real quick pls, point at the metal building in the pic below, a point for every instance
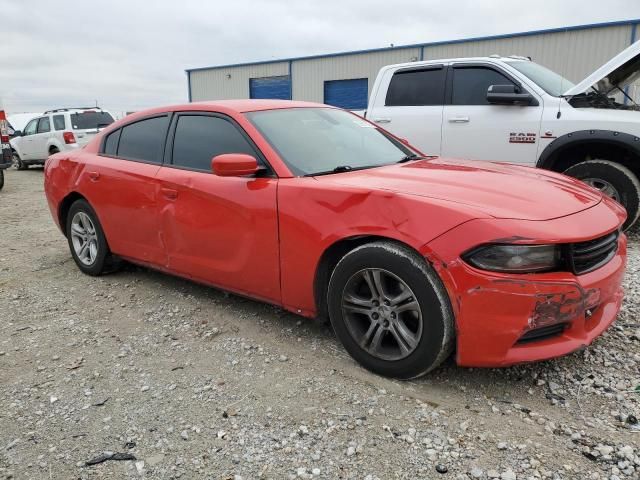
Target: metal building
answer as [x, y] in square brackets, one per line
[345, 79]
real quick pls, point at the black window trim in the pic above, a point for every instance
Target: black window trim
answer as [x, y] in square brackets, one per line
[148, 117]
[448, 96]
[418, 68]
[267, 172]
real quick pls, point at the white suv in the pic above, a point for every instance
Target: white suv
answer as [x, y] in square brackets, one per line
[510, 109]
[56, 131]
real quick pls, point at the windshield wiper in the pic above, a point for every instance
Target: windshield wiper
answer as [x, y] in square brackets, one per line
[408, 158]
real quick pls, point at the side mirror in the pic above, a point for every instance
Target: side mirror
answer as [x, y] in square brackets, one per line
[508, 95]
[16, 133]
[234, 165]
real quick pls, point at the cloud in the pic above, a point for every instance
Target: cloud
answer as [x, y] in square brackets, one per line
[132, 54]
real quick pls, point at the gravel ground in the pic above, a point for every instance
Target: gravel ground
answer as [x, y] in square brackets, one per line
[153, 376]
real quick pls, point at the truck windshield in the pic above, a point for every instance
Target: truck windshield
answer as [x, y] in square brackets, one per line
[325, 140]
[551, 82]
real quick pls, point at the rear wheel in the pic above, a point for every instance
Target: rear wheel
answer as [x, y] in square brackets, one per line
[87, 242]
[614, 180]
[1, 179]
[390, 310]
[53, 151]
[18, 164]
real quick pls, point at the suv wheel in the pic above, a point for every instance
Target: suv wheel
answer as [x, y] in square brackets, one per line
[390, 310]
[53, 151]
[18, 164]
[1, 179]
[614, 180]
[87, 242]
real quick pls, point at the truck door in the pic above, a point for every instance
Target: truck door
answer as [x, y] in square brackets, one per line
[408, 102]
[474, 129]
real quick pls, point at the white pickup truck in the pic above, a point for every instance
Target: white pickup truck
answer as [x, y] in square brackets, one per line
[510, 109]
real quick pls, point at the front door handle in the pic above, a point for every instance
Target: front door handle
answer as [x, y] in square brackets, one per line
[459, 120]
[94, 176]
[169, 193]
[382, 120]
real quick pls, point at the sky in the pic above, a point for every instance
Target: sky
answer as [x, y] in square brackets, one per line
[132, 54]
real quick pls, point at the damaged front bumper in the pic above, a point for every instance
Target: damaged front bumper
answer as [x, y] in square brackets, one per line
[506, 319]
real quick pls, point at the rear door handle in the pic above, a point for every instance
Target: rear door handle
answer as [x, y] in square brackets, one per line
[459, 120]
[169, 193]
[382, 120]
[94, 176]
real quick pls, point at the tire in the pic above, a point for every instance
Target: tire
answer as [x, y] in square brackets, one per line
[53, 151]
[423, 310]
[1, 179]
[611, 175]
[18, 164]
[82, 223]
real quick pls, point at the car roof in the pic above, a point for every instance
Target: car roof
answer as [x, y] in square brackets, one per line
[249, 105]
[489, 58]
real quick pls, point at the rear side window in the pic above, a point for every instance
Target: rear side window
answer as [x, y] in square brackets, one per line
[58, 122]
[416, 87]
[90, 120]
[44, 125]
[470, 85]
[199, 138]
[111, 143]
[144, 140]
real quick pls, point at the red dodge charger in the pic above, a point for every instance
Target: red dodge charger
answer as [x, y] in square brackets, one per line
[315, 209]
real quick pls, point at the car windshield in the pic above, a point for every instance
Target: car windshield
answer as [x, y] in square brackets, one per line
[90, 120]
[320, 140]
[551, 82]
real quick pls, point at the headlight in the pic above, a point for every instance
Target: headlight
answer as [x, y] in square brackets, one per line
[515, 258]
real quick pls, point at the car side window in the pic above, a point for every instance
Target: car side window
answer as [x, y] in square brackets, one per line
[416, 87]
[58, 122]
[44, 125]
[111, 143]
[30, 129]
[470, 84]
[144, 140]
[199, 138]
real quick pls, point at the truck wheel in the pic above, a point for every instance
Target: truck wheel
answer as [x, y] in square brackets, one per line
[614, 180]
[390, 310]
[17, 163]
[1, 179]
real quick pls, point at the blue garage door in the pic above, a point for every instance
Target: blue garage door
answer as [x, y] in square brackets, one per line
[350, 94]
[270, 87]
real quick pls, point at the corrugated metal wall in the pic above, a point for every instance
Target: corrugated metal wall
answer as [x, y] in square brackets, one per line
[215, 84]
[572, 53]
[309, 75]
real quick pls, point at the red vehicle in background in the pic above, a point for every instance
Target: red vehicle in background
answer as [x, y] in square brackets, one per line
[5, 147]
[321, 212]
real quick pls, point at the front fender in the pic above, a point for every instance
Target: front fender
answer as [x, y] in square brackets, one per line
[585, 137]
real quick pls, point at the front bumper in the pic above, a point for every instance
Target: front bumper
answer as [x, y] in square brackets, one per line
[504, 319]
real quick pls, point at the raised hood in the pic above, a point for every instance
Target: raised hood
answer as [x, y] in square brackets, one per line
[620, 71]
[498, 190]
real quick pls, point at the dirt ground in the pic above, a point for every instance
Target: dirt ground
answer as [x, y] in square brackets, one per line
[190, 382]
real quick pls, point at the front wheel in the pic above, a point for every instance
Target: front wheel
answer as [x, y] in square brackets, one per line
[390, 310]
[18, 164]
[613, 180]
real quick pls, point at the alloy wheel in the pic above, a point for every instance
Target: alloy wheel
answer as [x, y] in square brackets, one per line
[382, 314]
[605, 187]
[84, 238]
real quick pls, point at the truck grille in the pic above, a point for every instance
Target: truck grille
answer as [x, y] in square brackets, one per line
[587, 256]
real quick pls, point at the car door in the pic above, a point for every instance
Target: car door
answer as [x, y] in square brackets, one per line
[412, 106]
[39, 140]
[474, 129]
[220, 230]
[25, 142]
[120, 183]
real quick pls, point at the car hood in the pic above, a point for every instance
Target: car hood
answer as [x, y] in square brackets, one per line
[621, 70]
[498, 190]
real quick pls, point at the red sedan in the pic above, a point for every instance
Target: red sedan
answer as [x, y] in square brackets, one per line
[323, 213]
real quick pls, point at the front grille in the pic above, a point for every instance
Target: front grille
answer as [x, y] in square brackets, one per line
[542, 333]
[587, 256]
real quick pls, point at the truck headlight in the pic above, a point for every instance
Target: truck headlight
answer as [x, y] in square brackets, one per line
[515, 258]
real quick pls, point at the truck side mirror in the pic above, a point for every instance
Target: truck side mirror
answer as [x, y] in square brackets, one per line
[509, 95]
